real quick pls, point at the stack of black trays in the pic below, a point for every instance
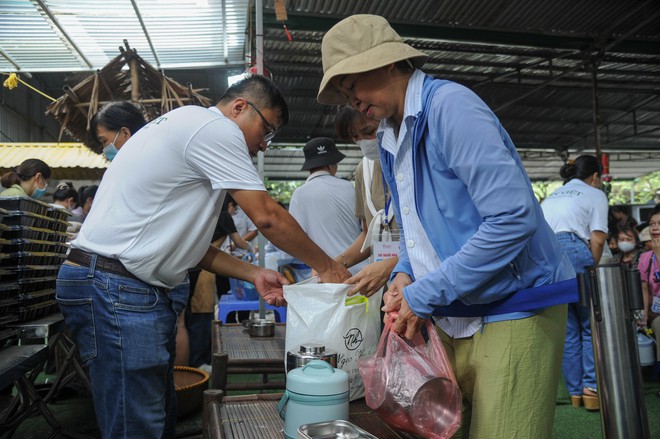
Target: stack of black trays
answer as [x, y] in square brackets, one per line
[32, 248]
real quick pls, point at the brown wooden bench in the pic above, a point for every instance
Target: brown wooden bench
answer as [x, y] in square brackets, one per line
[256, 417]
[235, 352]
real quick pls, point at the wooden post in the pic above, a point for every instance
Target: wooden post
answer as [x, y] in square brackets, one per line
[219, 371]
[135, 79]
[211, 398]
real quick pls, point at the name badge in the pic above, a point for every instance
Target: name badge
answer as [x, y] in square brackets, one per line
[655, 306]
[384, 250]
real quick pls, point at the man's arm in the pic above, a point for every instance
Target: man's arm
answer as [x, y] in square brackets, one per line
[285, 233]
[249, 236]
[268, 282]
[241, 243]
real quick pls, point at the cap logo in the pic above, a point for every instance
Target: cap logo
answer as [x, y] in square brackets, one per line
[321, 149]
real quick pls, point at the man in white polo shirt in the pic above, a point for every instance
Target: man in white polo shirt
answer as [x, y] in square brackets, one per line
[325, 205]
[152, 220]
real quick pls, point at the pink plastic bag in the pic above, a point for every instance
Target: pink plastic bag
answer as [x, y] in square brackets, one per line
[411, 386]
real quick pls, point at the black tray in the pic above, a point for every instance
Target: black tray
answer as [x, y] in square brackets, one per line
[31, 312]
[36, 284]
[58, 214]
[9, 290]
[31, 258]
[30, 245]
[26, 232]
[3, 212]
[10, 307]
[8, 336]
[8, 318]
[37, 297]
[31, 219]
[19, 272]
[24, 203]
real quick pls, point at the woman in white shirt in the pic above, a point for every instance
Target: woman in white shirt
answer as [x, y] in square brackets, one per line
[577, 213]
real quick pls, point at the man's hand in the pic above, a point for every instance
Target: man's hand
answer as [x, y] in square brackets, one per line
[371, 278]
[269, 285]
[336, 274]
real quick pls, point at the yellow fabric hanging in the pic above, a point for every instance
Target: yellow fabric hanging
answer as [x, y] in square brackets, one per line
[12, 82]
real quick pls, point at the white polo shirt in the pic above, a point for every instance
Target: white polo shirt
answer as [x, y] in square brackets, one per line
[578, 208]
[160, 199]
[325, 209]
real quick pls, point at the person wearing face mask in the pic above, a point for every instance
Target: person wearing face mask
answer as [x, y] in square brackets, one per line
[372, 205]
[65, 197]
[29, 179]
[631, 248]
[113, 125]
[577, 213]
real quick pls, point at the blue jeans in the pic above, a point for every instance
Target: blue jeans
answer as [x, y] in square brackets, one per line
[578, 363]
[125, 331]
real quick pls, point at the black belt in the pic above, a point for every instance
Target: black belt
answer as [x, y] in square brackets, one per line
[110, 265]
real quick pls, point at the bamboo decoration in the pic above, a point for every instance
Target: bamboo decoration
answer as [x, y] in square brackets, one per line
[142, 84]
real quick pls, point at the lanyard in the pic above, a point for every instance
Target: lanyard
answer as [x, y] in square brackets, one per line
[388, 200]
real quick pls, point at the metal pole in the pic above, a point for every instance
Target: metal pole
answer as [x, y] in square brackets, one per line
[596, 118]
[261, 241]
[620, 389]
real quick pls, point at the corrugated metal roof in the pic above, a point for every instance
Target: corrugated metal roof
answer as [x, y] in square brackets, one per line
[67, 161]
[56, 155]
[529, 60]
[75, 35]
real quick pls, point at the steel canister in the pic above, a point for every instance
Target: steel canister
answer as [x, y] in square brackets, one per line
[309, 352]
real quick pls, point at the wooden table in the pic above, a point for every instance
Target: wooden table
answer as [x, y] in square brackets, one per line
[235, 352]
[255, 416]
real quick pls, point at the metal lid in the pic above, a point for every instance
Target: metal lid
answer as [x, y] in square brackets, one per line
[312, 349]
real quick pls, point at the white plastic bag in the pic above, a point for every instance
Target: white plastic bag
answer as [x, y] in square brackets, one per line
[320, 313]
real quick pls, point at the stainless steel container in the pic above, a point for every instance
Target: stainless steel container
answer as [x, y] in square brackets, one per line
[332, 430]
[309, 352]
[260, 327]
[613, 292]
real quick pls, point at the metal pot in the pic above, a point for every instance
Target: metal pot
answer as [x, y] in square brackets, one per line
[260, 327]
[309, 352]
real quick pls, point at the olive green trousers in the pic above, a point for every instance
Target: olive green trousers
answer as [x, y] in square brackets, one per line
[508, 373]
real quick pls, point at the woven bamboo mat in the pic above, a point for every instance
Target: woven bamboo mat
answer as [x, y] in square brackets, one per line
[238, 344]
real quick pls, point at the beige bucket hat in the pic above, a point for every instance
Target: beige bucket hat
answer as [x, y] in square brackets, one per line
[357, 44]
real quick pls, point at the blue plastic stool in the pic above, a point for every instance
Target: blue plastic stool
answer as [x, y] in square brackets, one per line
[228, 304]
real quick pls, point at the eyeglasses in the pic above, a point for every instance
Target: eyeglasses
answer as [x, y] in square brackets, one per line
[271, 130]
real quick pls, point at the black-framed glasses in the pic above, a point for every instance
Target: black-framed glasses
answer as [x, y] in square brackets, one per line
[271, 130]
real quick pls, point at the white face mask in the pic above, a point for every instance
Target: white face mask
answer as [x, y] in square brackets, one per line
[626, 246]
[369, 148]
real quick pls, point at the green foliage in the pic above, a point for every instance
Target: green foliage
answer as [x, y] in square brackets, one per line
[642, 189]
[544, 188]
[281, 190]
